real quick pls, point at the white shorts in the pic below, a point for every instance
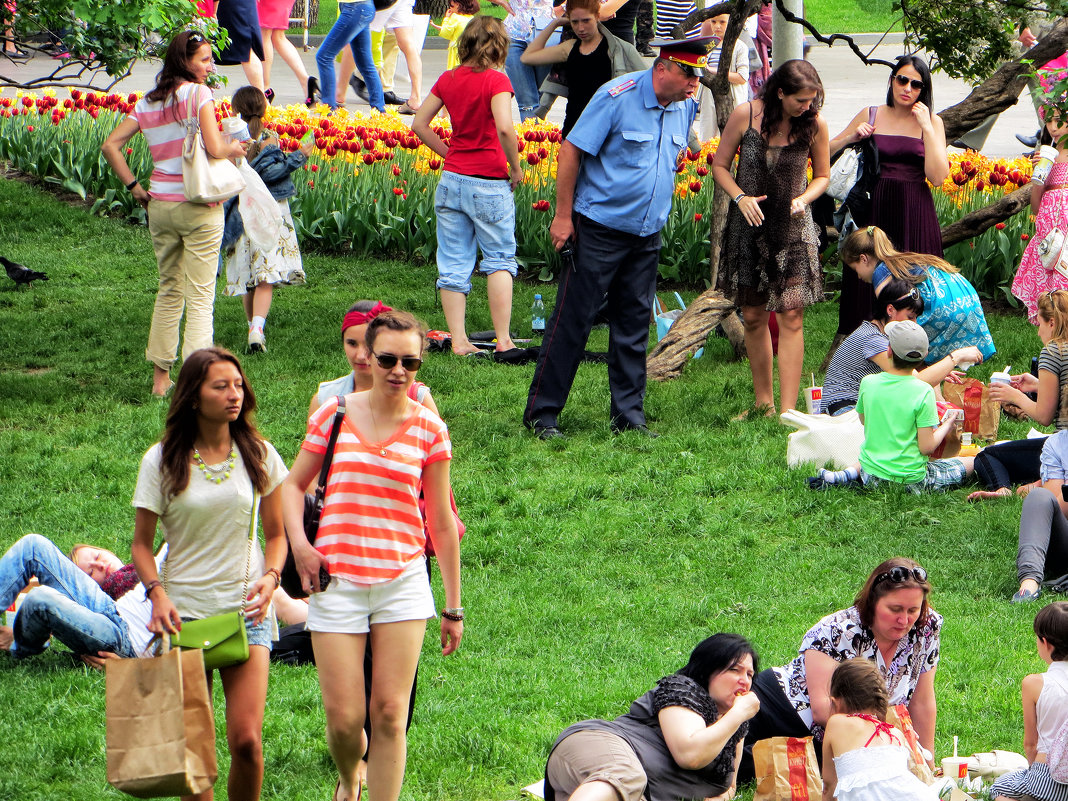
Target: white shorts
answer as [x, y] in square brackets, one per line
[398, 15]
[350, 608]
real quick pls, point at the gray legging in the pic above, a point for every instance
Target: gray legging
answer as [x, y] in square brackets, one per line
[1043, 549]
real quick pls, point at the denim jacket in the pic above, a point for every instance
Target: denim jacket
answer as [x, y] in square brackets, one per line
[275, 168]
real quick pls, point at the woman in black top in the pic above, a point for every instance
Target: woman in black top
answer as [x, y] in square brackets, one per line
[587, 66]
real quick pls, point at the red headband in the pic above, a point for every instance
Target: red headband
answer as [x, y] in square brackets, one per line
[361, 318]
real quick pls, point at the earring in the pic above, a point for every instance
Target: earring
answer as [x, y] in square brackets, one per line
[196, 406]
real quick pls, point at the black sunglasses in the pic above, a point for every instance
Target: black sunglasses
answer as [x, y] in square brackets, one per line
[900, 574]
[387, 361]
[904, 80]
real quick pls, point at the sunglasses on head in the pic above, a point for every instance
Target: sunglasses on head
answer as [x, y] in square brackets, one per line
[896, 575]
[387, 361]
[904, 80]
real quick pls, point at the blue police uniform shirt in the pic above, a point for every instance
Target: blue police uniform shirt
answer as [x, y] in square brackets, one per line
[632, 144]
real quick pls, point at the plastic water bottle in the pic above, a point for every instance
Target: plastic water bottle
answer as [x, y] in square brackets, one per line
[537, 316]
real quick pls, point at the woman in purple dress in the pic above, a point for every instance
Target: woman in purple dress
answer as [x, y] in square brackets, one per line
[912, 150]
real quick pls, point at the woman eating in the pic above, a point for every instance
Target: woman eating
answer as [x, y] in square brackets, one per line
[682, 739]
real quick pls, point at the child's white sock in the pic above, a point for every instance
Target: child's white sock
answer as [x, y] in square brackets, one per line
[258, 322]
[839, 476]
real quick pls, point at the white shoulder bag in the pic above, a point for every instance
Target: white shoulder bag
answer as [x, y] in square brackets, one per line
[205, 179]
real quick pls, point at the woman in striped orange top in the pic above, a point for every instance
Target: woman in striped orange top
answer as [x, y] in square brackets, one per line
[371, 541]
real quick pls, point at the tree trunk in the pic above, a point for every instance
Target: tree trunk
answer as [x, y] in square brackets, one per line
[435, 8]
[688, 334]
[298, 11]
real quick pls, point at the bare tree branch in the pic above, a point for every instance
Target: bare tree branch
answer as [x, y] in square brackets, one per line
[974, 223]
[789, 16]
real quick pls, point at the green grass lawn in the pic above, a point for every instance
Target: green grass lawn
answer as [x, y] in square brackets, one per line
[591, 565]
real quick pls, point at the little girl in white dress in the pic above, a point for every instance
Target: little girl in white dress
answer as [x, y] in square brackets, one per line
[864, 757]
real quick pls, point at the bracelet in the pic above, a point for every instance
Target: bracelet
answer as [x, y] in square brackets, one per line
[455, 614]
[132, 184]
[151, 586]
[277, 577]
[739, 197]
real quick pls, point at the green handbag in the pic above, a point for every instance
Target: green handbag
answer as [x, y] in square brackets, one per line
[223, 638]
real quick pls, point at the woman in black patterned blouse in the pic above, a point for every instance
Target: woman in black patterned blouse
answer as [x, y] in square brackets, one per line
[682, 739]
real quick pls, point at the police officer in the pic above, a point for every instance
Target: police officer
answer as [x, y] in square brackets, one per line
[615, 180]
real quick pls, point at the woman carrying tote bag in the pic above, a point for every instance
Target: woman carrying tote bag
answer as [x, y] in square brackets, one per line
[185, 236]
[199, 485]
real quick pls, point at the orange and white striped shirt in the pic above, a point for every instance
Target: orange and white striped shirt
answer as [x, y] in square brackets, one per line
[371, 527]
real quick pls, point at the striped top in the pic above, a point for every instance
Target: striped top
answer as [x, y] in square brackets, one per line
[852, 362]
[371, 527]
[670, 13]
[164, 129]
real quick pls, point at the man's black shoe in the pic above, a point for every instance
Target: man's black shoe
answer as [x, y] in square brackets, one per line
[391, 99]
[359, 87]
[1029, 141]
[547, 432]
[647, 51]
[642, 429]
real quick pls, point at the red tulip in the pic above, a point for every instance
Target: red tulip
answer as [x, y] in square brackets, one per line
[697, 217]
[695, 186]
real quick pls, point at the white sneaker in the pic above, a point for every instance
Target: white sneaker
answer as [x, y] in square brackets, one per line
[257, 343]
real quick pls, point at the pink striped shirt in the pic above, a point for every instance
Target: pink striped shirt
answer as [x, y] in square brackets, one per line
[371, 526]
[164, 129]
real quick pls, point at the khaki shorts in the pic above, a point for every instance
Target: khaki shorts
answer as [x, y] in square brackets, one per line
[596, 756]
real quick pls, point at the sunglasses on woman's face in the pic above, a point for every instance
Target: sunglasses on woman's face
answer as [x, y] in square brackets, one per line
[904, 80]
[387, 361]
[899, 574]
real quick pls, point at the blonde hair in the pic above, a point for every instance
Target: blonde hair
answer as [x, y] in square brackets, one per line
[873, 241]
[1053, 307]
[485, 42]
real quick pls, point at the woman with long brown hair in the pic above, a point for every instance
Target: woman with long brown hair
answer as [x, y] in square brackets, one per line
[770, 258]
[201, 484]
[186, 236]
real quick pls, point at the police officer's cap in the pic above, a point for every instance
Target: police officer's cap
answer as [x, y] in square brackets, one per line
[690, 54]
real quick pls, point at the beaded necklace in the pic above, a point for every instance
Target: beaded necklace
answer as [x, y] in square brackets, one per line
[211, 472]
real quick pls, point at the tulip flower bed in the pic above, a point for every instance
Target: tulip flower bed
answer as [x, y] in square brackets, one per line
[369, 184]
[990, 260]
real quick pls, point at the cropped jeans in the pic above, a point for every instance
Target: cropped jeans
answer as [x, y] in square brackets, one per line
[68, 605]
[353, 28]
[1043, 548]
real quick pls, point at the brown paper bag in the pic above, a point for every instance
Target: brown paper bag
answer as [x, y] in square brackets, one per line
[786, 770]
[982, 415]
[899, 717]
[160, 726]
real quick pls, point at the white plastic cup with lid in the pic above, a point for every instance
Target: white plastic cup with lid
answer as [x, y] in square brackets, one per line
[235, 129]
[1046, 155]
[955, 768]
[1001, 377]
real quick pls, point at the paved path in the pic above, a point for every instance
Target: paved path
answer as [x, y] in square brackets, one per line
[849, 86]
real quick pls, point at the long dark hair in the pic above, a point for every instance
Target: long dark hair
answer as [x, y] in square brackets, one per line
[858, 686]
[251, 104]
[792, 77]
[1051, 623]
[718, 653]
[175, 72]
[180, 431]
[926, 94]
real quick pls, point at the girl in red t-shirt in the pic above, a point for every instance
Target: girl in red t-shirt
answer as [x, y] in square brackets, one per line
[473, 203]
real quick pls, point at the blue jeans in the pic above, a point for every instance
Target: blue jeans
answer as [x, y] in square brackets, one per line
[473, 213]
[352, 28]
[68, 605]
[526, 80]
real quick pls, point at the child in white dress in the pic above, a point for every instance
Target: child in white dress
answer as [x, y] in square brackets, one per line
[1045, 709]
[864, 757]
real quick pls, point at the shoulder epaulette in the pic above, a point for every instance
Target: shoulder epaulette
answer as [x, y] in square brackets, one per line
[619, 89]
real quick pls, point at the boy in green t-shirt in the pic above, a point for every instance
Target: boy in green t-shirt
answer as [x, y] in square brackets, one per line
[901, 425]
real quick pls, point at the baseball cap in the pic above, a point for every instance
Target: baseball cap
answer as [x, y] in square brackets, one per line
[908, 340]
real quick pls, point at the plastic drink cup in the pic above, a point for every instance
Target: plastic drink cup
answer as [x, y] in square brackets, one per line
[1046, 155]
[236, 129]
[955, 767]
[813, 397]
[1000, 378]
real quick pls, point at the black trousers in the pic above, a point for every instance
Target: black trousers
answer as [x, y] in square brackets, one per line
[1008, 463]
[619, 268]
[776, 718]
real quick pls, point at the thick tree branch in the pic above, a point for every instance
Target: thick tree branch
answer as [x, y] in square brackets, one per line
[687, 335]
[974, 223]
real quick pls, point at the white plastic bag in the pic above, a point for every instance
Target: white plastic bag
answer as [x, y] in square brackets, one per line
[259, 211]
[821, 438]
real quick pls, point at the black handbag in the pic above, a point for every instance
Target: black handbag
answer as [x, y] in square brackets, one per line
[313, 508]
[855, 211]
[382, 5]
